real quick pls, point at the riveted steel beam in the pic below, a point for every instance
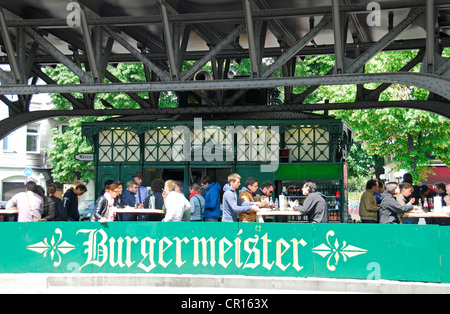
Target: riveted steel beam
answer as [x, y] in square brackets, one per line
[212, 53]
[76, 103]
[443, 67]
[58, 55]
[11, 124]
[338, 41]
[431, 35]
[6, 78]
[288, 55]
[254, 62]
[160, 72]
[433, 83]
[226, 16]
[168, 39]
[299, 45]
[9, 48]
[89, 45]
[385, 41]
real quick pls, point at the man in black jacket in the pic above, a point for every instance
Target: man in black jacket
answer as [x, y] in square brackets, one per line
[315, 205]
[70, 203]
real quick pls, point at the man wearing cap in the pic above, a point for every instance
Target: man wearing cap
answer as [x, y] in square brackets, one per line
[142, 192]
[427, 192]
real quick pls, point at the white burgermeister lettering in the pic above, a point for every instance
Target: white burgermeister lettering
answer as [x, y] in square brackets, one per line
[237, 250]
[99, 248]
[266, 242]
[178, 241]
[295, 244]
[112, 254]
[147, 254]
[128, 261]
[222, 252]
[97, 251]
[254, 251]
[212, 251]
[280, 254]
[162, 250]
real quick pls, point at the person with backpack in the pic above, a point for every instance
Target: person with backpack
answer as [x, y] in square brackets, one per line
[197, 202]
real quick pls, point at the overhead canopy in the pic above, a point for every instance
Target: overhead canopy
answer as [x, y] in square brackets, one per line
[88, 36]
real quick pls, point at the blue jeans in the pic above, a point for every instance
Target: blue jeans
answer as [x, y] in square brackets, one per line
[411, 221]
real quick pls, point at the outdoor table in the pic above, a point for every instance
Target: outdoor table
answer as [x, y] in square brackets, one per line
[139, 211]
[421, 214]
[9, 213]
[276, 213]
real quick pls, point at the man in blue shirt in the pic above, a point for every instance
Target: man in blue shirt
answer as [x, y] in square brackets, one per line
[232, 204]
[129, 199]
[142, 192]
[212, 199]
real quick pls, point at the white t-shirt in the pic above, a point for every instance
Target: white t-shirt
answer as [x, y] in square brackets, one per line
[176, 204]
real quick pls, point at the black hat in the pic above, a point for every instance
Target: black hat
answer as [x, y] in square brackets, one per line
[424, 188]
[138, 174]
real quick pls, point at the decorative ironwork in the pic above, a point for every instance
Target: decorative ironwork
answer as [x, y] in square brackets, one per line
[158, 145]
[308, 144]
[119, 146]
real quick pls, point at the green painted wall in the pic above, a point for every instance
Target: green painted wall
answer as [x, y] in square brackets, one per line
[353, 251]
[314, 171]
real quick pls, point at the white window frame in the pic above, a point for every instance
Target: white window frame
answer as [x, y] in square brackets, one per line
[35, 135]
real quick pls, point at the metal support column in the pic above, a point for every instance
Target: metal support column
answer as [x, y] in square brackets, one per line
[9, 48]
[168, 39]
[338, 43]
[431, 30]
[251, 39]
[89, 45]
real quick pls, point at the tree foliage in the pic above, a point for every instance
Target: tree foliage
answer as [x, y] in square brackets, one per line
[409, 136]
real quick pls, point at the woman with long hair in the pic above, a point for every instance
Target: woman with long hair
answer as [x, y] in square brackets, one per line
[103, 211]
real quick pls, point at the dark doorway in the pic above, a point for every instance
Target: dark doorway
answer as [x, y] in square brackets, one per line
[219, 175]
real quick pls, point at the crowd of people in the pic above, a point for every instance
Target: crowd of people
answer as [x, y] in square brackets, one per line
[33, 205]
[204, 203]
[386, 204]
[209, 202]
